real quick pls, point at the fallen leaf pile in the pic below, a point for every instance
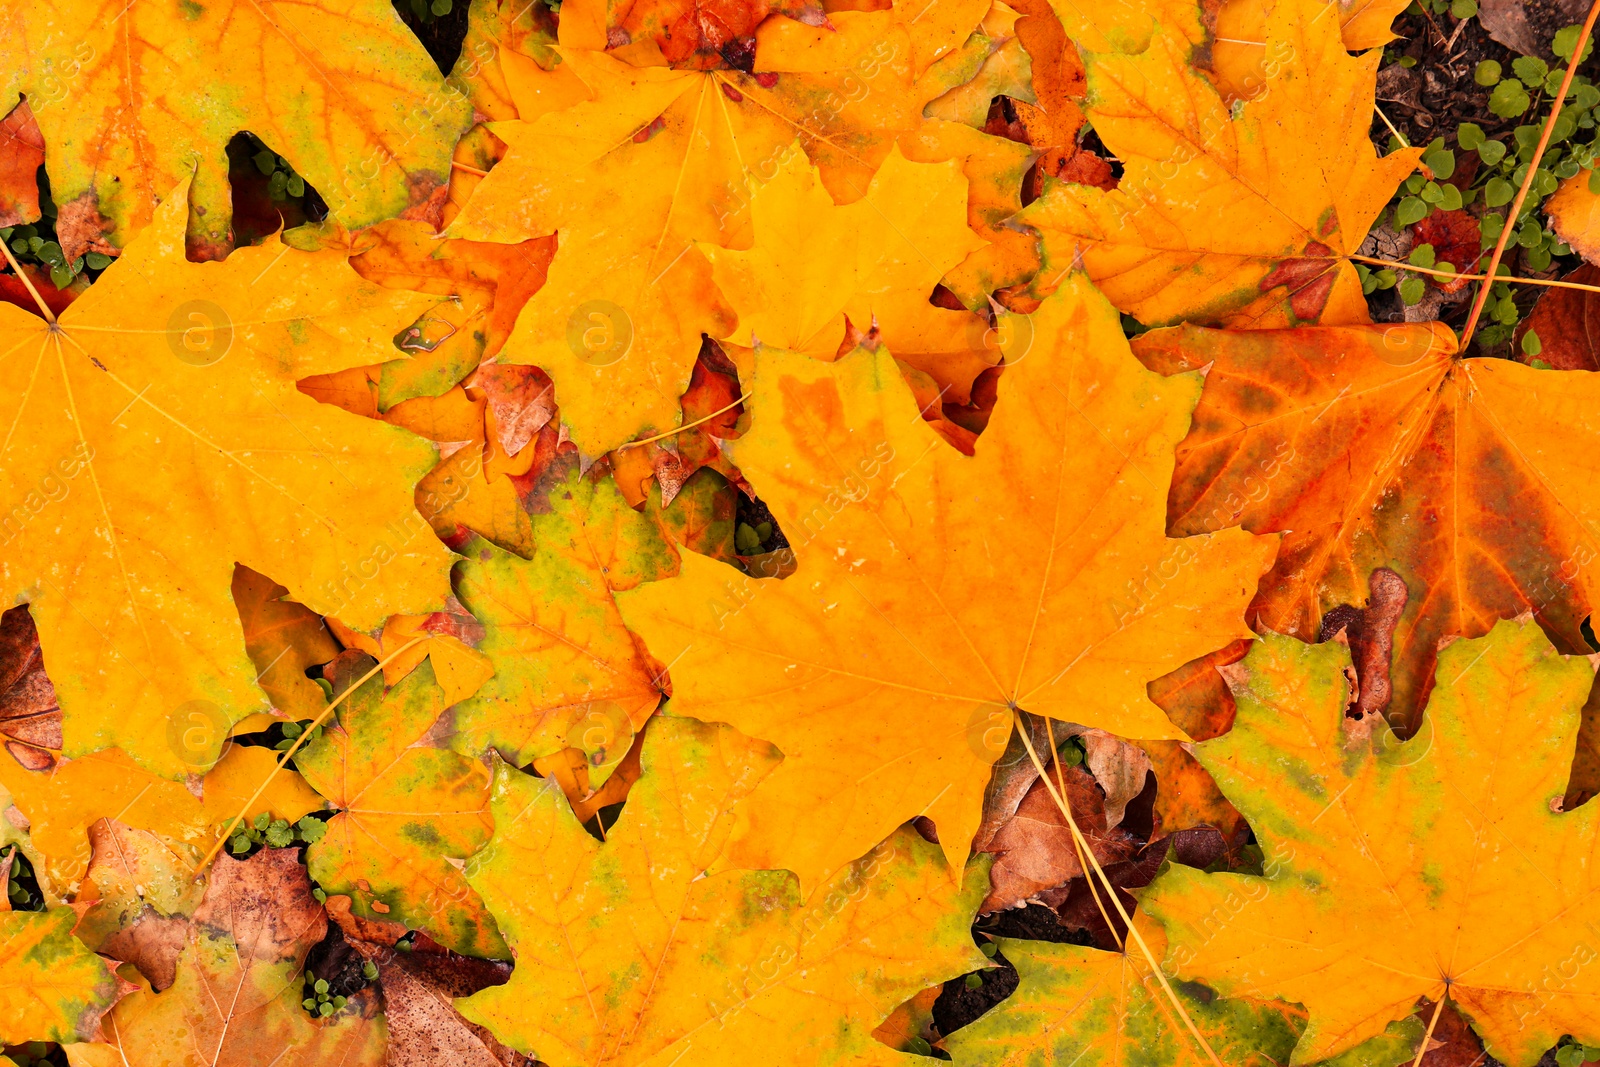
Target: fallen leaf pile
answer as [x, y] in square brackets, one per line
[806, 533]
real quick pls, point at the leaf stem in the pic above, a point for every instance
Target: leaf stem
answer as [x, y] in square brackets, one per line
[1422, 1049]
[680, 429]
[1398, 136]
[1551, 282]
[1083, 863]
[1133, 931]
[44, 308]
[1533, 170]
[305, 735]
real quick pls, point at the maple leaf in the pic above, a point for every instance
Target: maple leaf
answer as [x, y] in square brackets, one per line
[1105, 1009]
[653, 161]
[929, 632]
[1564, 320]
[1380, 447]
[875, 261]
[1222, 217]
[1242, 58]
[30, 716]
[1574, 213]
[405, 809]
[54, 989]
[158, 418]
[568, 674]
[21, 155]
[63, 803]
[282, 639]
[344, 92]
[1433, 867]
[236, 996]
[629, 952]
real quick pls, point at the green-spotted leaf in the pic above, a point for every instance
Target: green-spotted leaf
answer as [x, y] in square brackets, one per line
[567, 674]
[52, 988]
[1091, 1008]
[1437, 867]
[133, 98]
[406, 809]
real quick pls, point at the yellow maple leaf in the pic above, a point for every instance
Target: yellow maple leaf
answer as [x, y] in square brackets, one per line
[936, 592]
[628, 952]
[158, 419]
[1437, 867]
[655, 161]
[1242, 59]
[875, 261]
[343, 91]
[1240, 219]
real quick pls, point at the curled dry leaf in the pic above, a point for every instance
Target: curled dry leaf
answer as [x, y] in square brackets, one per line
[419, 986]
[30, 717]
[1034, 849]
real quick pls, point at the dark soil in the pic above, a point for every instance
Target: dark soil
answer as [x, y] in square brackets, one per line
[1438, 94]
[441, 35]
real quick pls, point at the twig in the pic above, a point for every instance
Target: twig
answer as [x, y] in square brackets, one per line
[1551, 282]
[1422, 1050]
[1083, 862]
[37, 299]
[680, 429]
[1404, 143]
[1533, 170]
[304, 736]
[1133, 931]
